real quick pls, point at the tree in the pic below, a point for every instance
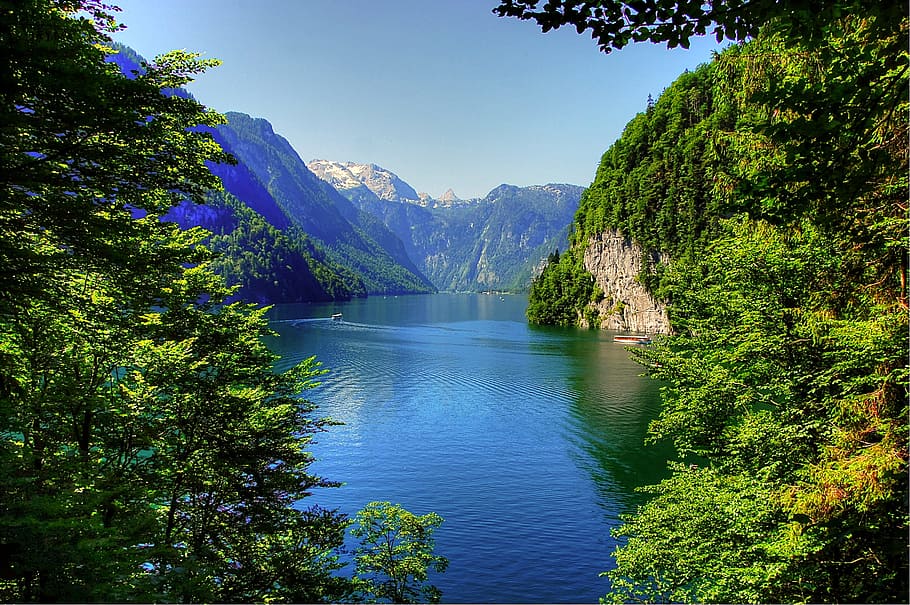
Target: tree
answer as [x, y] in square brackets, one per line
[147, 449]
[396, 553]
[613, 24]
[71, 118]
[228, 463]
[787, 380]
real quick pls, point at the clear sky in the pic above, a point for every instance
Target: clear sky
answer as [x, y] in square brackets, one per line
[441, 92]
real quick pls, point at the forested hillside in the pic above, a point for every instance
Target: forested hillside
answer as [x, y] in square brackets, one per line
[266, 263]
[776, 178]
[351, 238]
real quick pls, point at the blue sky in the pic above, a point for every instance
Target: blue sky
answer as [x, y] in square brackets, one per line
[441, 92]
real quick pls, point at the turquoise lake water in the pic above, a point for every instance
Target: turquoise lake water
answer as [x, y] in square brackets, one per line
[527, 441]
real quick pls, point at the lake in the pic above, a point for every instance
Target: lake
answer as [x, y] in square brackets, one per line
[527, 441]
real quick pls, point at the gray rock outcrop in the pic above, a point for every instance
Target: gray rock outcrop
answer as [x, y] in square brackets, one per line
[615, 261]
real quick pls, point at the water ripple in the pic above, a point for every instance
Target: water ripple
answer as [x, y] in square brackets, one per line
[528, 442]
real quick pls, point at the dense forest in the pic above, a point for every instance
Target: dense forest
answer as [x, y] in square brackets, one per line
[776, 178]
[148, 451]
[266, 263]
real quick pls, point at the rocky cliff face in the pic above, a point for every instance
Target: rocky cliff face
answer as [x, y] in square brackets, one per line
[615, 261]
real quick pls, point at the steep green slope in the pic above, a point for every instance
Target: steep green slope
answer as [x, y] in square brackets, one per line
[351, 238]
[656, 183]
[271, 265]
[661, 184]
[776, 179]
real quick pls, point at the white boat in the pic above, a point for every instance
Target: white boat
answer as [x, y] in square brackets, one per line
[336, 316]
[633, 339]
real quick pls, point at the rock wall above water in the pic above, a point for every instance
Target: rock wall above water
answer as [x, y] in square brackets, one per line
[615, 261]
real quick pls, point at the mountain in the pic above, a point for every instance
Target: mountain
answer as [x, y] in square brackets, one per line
[492, 243]
[273, 180]
[352, 177]
[449, 198]
[497, 242]
[285, 235]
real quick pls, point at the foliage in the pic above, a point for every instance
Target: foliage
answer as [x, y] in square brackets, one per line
[790, 364]
[792, 402]
[559, 295]
[226, 458]
[729, 557]
[396, 554]
[148, 452]
[787, 379]
[614, 24]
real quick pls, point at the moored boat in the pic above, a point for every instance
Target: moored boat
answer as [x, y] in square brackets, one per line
[633, 339]
[336, 316]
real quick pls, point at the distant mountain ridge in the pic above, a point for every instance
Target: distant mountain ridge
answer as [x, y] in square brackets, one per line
[359, 181]
[490, 243]
[292, 233]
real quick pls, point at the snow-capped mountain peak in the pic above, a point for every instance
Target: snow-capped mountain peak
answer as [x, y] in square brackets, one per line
[385, 184]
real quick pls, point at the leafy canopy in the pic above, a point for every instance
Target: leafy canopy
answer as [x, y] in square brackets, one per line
[777, 177]
[615, 24]
[395, 554]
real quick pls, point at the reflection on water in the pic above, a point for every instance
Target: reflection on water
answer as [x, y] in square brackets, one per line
[527, 441]
[612, 407]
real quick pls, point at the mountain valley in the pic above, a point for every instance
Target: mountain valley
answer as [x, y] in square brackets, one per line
[290, 231]
[484, 244]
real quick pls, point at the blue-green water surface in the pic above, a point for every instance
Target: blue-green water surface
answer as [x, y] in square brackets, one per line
[527, 441]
